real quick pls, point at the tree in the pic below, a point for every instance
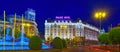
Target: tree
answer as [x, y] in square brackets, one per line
[1, 32]
[57, 43]
[104, 38]
[17, 33]
[64, 43]
[35, 42]
[67, 41]
[77, 40]
[49, 39]
[115, 35]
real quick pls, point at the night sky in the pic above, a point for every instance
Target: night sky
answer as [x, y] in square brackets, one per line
[82, 9]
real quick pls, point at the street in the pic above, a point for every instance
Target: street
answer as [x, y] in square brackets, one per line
[69, 49]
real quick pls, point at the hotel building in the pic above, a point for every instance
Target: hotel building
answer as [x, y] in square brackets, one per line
[65, 28]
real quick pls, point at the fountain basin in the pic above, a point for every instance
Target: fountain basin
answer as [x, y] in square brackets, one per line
[20, 46]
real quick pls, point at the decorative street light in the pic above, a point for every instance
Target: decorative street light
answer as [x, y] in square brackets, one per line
[100, 16]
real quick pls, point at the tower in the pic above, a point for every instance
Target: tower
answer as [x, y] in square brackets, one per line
[30, 14]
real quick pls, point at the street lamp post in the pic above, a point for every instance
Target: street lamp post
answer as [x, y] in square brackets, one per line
[100, 16]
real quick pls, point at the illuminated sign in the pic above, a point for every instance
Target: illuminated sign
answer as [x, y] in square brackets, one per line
[66, 17]
[62, 17]
[59, 17]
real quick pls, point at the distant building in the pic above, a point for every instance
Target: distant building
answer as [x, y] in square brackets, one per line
[118, 25]
[65, 28]
[102, 31]
[30, 26]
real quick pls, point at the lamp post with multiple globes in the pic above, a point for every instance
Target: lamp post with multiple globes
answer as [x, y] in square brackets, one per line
[100, 16]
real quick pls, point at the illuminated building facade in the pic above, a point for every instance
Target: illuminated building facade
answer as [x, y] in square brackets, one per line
[65, 28]
[30, 26]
